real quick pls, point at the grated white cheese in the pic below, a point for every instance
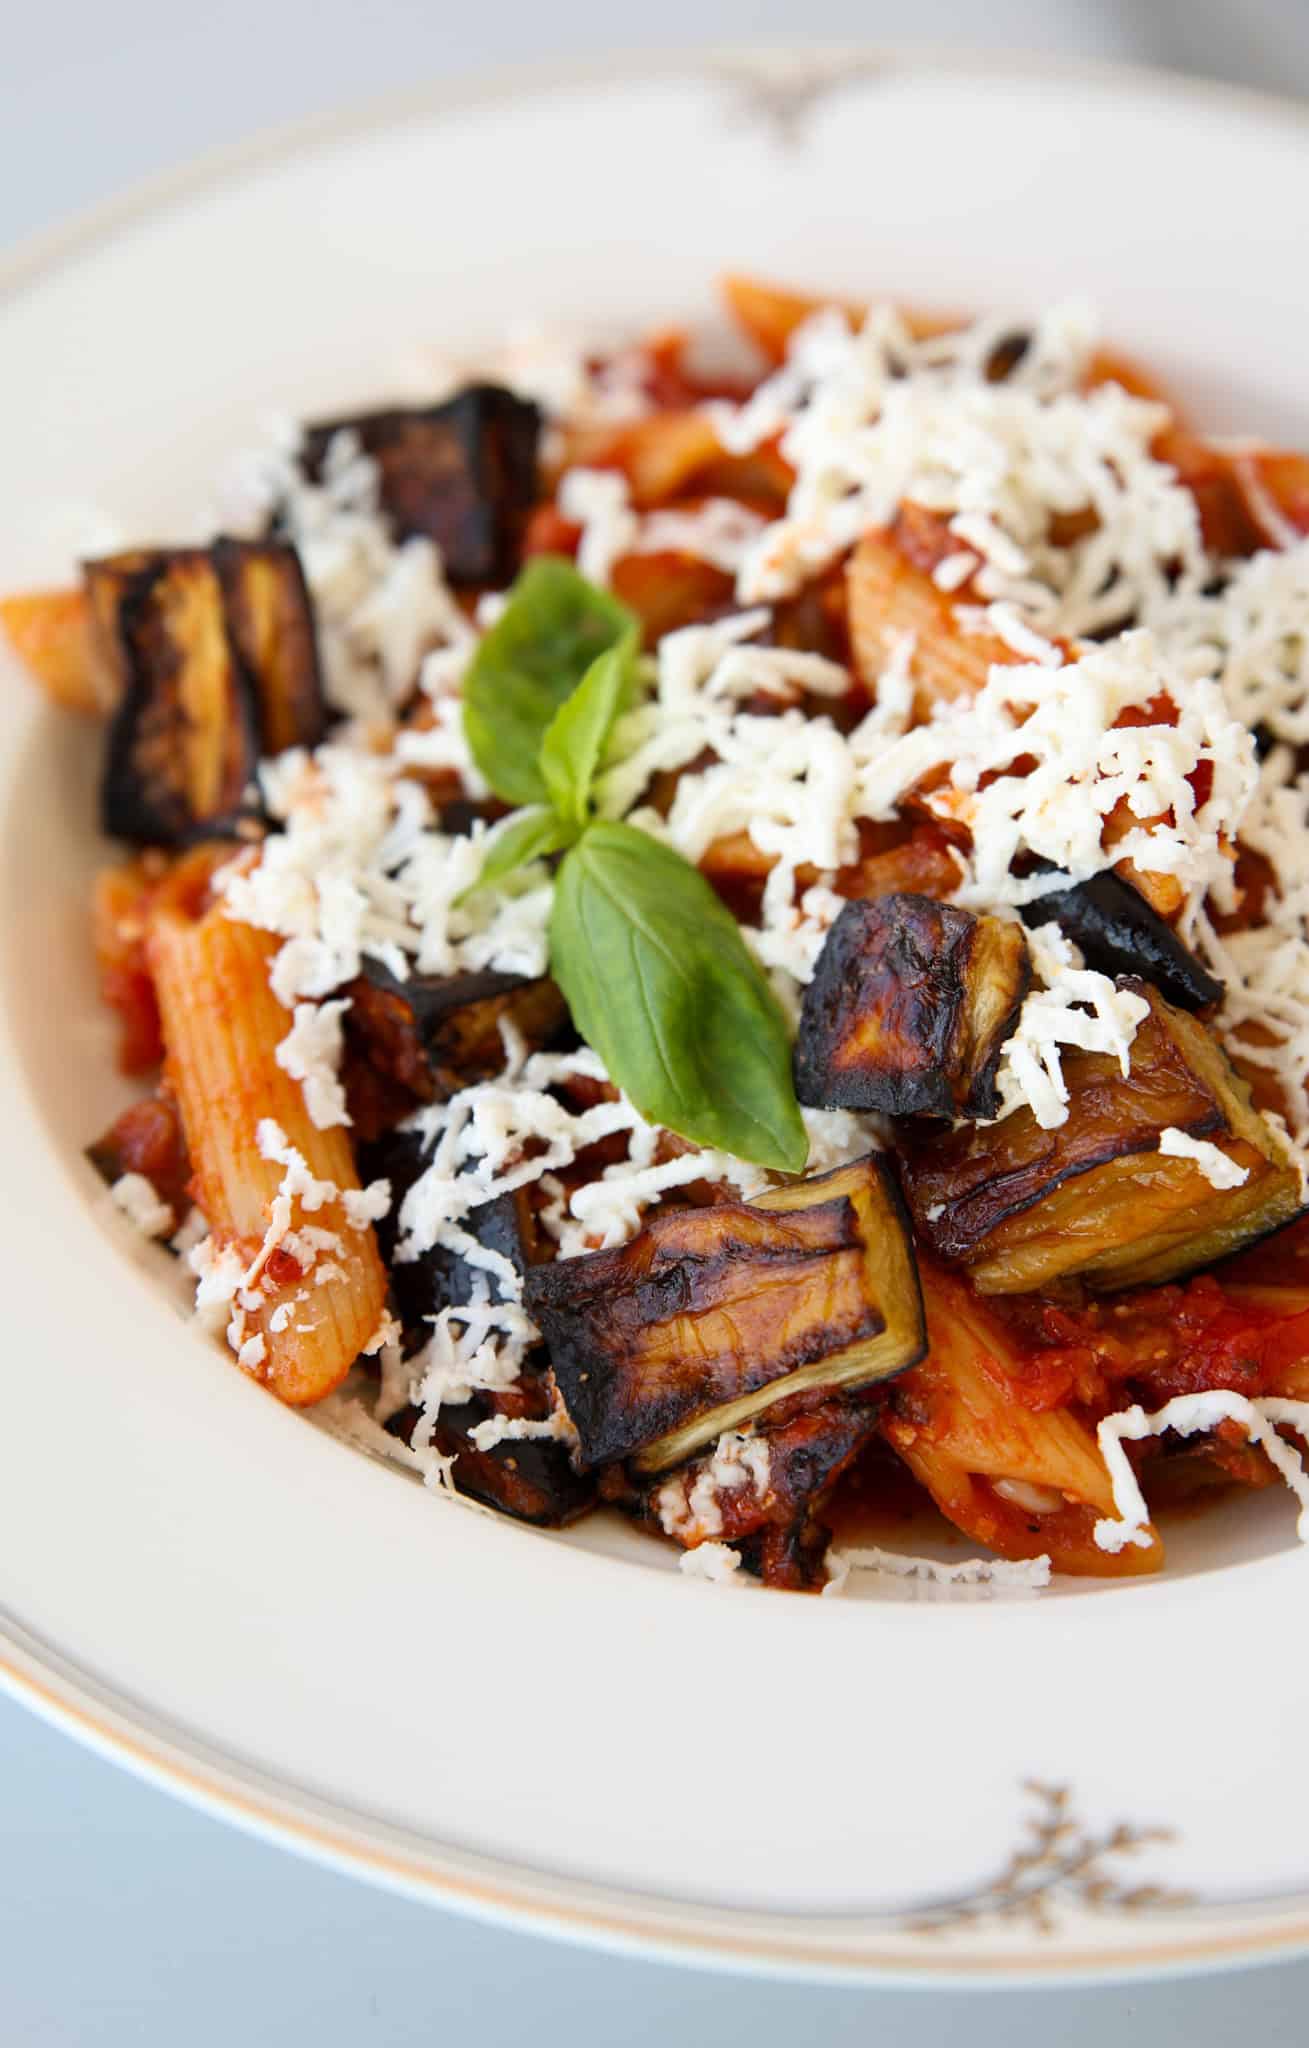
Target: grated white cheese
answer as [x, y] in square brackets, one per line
[219, 1278]
[1217, 1168]
[598, 500]
[359, 871]
[719, 531]
[378, 607]
[1253, 635]
[192, 1230]
[135, 1196]
[1189, 1414]
[350, 1414]
[583, 382]
[1072, 1006]
[1022, 1574]
[716, 1562]
[872, 419]
[689, 1503]
[500, 1429]
[1062, 720]
[311, 1054]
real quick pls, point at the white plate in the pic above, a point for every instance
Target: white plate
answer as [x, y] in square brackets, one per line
[565, 1729]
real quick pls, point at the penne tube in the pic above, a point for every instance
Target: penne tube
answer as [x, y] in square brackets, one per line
[892, 599]
[769, 316]
[308, 1304]
[50, 631]
[1026, 1483]
[664, 454]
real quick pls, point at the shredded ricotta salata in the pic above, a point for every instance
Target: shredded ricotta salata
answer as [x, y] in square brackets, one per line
[1030, 1574]
[1190, 1415]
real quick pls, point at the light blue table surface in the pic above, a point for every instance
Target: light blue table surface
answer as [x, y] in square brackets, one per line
[127, 1918]
[124, 1917]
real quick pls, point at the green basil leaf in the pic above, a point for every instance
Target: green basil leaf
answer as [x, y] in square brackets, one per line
[529, 836]
[660, 982]
[551, 630]
[575, 738]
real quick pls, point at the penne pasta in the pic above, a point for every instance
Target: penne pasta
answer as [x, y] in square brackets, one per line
[309, 1318]
[892, 600]
[51, 633]
[769, 316]
[1027, 1483]
[664, 454]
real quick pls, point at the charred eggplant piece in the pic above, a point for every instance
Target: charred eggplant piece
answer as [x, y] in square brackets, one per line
[213, 662]
[464, 474]
[768, 1502]
[909, 1008]
[183, 744]
[530, 1478]
[435, 1033]
[109, 584]
[1117, 932]
[271, 626]
[710, 1316]
[440, 1278]
[1020, 1207]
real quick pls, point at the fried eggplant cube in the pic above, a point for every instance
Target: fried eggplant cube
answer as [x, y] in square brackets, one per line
[909, 1008]
[710, 1316]
[183, 743]
[212, 661]
[433, 1034]
[464, 474]
[270, 623]
[763, 1493]
[1118, 932]
[529, 1477]
[1020, 1207]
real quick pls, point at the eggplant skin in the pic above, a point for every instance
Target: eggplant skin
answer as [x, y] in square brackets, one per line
[909, 1009]
[710, 1316]
[1021, 1207]
[463, 474]
[214, 662]
[433, 1034]
[183, 745]
[270, 623]
[1117, 932]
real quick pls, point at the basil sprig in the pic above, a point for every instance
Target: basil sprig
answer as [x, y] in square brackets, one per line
[654, 968]
[660, 982]
[530, 662]
[575, 737]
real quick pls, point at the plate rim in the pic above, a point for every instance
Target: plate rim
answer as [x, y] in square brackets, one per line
[107, 1718]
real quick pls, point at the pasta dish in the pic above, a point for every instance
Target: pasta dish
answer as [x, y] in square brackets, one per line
[721, 933]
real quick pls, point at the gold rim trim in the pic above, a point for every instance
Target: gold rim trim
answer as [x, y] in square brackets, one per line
[770, 1946]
